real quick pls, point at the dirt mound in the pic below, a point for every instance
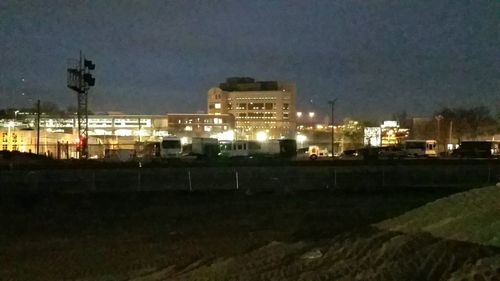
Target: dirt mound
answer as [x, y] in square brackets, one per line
[472, 216]
[377, 256]
[454, 238]
[152, 237]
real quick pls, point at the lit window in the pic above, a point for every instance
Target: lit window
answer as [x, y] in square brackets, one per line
[217, 106]
[207, 128]
[188, 128]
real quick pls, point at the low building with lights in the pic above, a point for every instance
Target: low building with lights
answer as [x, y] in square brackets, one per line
[220, 126]
[264, 109]
[59, 136]
[19, 136]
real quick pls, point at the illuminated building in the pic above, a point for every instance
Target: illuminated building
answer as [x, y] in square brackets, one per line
[258, 106]
[109, 131]
[392, 134]
[19, 136]
[199, 125]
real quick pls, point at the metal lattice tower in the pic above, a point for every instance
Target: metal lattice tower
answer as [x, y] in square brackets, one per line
[80, 80]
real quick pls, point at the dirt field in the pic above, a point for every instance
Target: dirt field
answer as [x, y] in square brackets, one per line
[222, 236]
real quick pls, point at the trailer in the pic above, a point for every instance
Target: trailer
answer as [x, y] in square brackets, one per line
[205, 148]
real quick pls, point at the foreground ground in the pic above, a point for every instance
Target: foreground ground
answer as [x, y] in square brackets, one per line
[227, 236]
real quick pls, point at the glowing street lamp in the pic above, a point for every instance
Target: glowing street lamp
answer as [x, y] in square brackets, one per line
[301, 139]
[311, 114]
[261, 136]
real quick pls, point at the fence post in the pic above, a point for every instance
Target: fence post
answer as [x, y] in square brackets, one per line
[237, 180]
[139, 180]
[189, 178]
[489, 174]
[335, 177]
[383, 175]
[92, 187]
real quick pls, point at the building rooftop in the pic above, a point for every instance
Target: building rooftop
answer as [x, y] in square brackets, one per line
[244, 84]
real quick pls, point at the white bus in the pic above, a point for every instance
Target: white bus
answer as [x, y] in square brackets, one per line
[170, 147]
[420, 148]
[238, 148]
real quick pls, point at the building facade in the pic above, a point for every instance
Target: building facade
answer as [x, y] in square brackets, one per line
[260, 108]
[108, 131]
[191, 125]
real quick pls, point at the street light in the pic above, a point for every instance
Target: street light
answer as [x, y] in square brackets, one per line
[261, 136]
[301, 139]
[332, 103]
[438, 132]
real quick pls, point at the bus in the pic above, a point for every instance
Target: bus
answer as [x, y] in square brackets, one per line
[238, 148]
[420, 148]
[170, 147]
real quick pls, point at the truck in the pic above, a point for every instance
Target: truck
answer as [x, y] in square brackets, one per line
[288, 148]
[478, 149]
[205, 148]
[314, 152]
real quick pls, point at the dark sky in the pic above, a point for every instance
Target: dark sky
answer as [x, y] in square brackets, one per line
[378, 57]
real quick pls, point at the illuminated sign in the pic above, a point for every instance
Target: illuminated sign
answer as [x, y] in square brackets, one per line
[390, 124]
[372, 136]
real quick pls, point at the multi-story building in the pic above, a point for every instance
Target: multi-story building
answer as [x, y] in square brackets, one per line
[261, 108]
[201, 125]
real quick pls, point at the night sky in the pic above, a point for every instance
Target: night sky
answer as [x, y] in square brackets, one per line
[378, 57]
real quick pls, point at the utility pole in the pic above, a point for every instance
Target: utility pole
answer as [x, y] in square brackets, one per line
[332, 103]
[438, 132]
[80, 80]
[450, 132]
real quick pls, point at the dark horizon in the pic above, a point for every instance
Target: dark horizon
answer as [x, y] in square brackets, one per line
[153, 58]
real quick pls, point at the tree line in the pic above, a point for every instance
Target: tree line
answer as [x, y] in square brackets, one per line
[46, 108]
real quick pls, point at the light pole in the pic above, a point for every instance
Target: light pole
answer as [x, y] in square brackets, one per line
[332, 103]
[438, 132]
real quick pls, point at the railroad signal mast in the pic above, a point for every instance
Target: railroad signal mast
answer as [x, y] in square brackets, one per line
[80, 80]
